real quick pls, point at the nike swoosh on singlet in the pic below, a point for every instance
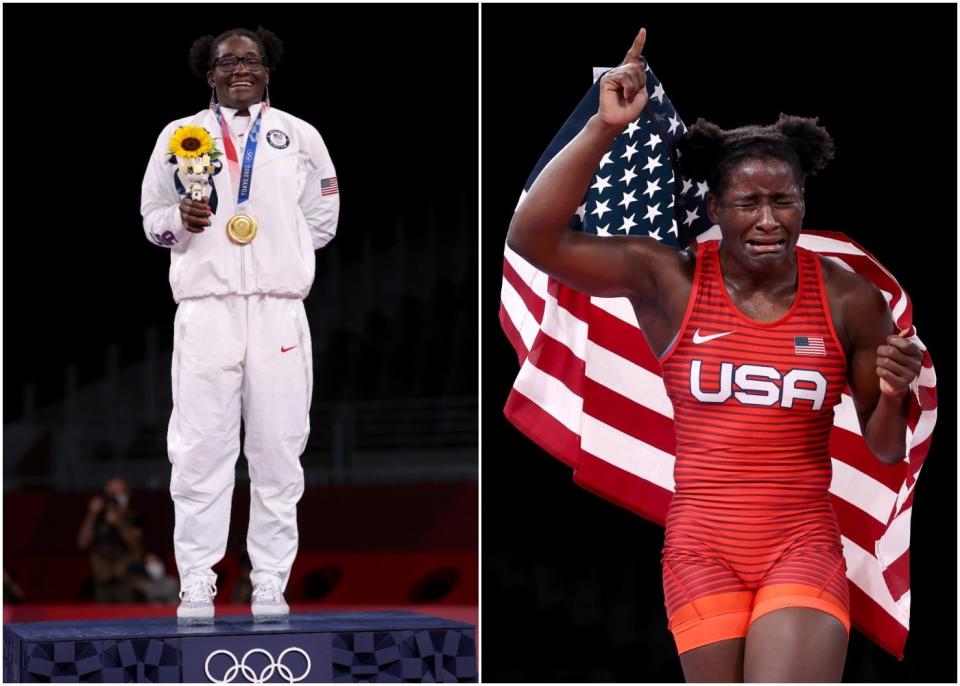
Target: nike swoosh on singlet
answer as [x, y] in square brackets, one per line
[698, 339]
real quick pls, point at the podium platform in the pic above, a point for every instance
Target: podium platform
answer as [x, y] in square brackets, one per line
[321, 647]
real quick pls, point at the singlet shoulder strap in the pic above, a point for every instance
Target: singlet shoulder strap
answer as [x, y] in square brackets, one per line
[705, 251]
[818, 291]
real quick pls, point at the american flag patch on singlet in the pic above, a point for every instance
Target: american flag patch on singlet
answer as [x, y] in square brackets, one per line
[809, 345]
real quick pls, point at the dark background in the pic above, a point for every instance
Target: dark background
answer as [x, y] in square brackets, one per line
[571, 583]
[392, 90]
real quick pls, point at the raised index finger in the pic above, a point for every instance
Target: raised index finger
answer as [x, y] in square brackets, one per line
[633, 54]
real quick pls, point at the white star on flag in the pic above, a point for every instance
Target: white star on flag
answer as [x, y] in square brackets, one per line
[653, 211]
[631, 128]
[582, 211]
[653, 142]
[601, 184]
[674, 123]
[655, 234]
[600, 209]
[702, 189]
[653, 163]
[658, 93]
[673, 227]
[687, 185]
[605, 160]
[692, 216]
[652, 187]
[631, 150]
[628, 223]
[602, 231]
[627, 199]
[629, 175]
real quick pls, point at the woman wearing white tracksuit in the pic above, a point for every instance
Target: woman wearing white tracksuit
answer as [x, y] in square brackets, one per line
[241, 340]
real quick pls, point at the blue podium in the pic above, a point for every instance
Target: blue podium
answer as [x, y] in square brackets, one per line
[324, 647]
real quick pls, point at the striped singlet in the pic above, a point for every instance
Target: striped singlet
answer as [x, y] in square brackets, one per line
[753, 408]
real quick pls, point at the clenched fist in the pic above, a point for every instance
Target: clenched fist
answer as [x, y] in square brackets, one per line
[898, 364]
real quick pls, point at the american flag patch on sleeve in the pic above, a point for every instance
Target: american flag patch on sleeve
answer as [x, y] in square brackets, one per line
[329, 186]
[809, 345]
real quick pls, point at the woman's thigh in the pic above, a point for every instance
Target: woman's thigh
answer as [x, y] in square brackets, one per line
[797, 644]
[720, 662]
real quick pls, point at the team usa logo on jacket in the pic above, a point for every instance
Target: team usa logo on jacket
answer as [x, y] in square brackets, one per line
[165, 239]
[759, 385]
[278, 139]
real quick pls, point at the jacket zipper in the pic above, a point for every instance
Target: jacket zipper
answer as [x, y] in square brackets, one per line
[243, 275]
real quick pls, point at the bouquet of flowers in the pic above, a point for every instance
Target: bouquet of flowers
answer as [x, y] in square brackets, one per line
[195, 152]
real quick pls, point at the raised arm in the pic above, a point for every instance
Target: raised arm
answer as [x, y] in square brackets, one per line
[539, 232]
[85, 535]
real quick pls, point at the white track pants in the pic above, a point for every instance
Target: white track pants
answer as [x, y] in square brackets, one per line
[236, 356]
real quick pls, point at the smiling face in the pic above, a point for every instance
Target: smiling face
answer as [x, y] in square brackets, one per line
[760, 213]
[240, 88]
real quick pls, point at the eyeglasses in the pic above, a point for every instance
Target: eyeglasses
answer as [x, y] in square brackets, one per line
[228, 63]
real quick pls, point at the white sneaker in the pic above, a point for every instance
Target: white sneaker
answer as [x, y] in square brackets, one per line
[268, 604]
[196, 604]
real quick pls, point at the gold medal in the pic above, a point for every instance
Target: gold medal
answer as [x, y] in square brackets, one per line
[242, 228]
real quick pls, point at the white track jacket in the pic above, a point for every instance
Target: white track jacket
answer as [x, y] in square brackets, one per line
[294, 198]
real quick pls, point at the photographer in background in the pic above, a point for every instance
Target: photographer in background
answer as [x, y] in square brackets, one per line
[113, 534]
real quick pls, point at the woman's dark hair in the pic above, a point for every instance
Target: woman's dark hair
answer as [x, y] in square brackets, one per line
[203, 49]
[709, 153]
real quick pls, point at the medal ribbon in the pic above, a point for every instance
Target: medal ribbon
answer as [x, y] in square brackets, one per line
[242, 177]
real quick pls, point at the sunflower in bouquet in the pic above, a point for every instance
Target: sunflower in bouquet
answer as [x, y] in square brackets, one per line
[195, 151]
[192, 141]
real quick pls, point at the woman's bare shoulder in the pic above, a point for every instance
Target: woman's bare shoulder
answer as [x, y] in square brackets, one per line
[856, 305]
[849, 285]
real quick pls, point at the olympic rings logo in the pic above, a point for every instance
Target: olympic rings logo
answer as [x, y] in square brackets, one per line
[241, 667]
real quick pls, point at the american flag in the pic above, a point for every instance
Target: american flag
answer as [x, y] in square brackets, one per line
[809, 345]
[589, 390]
[329, 186]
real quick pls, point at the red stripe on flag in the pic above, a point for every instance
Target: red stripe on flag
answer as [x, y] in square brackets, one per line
[631, 418]
[908, 501]
[624, 339]
[856, 524]
[920, 449]
[928, 397]
[873, 621]
[623, 488]
[853, 450]
[542, 429]
[554, 358]
[533, 301]
[513, 335]
[573, 302]
[897, 575]
[913, 415]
